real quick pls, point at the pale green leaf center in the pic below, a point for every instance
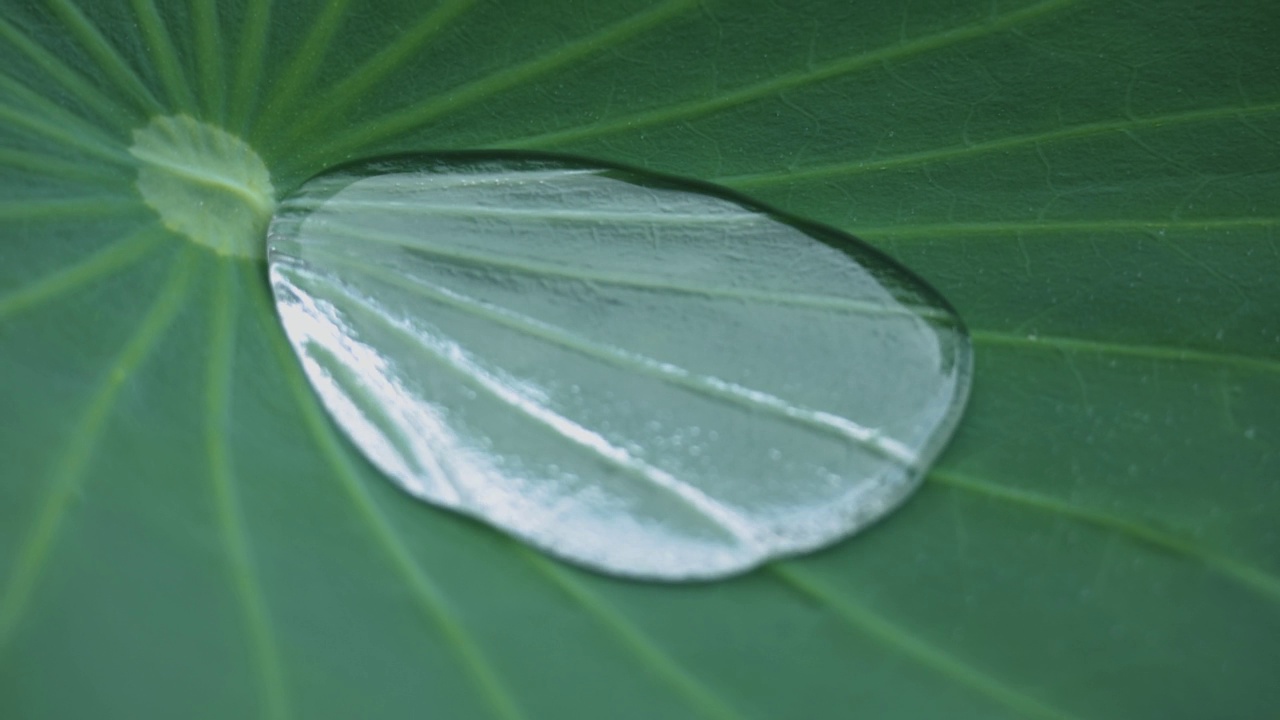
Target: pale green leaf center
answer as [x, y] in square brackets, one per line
[205, 183]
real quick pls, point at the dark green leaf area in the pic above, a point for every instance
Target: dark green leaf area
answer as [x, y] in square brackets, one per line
[184, 533]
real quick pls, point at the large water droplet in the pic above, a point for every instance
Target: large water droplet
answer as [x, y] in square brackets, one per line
[542, 344]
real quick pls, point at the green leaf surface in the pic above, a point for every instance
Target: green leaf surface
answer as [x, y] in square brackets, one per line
[183, 532]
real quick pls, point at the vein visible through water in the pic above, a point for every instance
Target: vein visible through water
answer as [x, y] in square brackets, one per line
[456, 359]
[658, 661]
[535, 268]
[734, 393]
[426, 592]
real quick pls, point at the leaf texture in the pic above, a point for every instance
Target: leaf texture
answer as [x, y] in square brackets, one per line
[1092, 186]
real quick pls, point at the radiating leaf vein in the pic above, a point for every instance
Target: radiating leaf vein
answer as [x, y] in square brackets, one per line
[534, 268]
[395, 56]
[1032, 140]
[295, 78]
[226, 500]
[68, 473]
[1103, 347]
[1252, 577]
[209, 67]
[455, 359]
[56, 123]
[107, 108]
[413, 116]
[105, 54]
[705, 106]
[937, 231]
[250, 75]
[751, 399]
[164, 56]
[425, 591]
[52, 166]
[869, 623]
[64, 209]
[111, 259]
[633, 639]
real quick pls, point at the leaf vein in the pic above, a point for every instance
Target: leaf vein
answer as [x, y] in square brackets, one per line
[394, 57]
[105, 54]
[869, 623]
[453, 358]
[1248, 575]
[61, 208]
[653, 657]
[942, 230]
[1076, 132]
[226, 498]
[534, 268]
[101, 264]
[67, 476]
[164, 56]
[57, 123]
[415, 115]
[1150, 352]
[755, 400]
[208, 42]
[72, 81]
[430, 599]
[301, 69]
[250, 75]
[775, 86]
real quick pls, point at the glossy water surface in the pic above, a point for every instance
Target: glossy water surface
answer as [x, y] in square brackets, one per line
[643, 376]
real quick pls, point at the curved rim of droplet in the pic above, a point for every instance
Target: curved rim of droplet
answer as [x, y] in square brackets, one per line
[856, 248]
[830, 235]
